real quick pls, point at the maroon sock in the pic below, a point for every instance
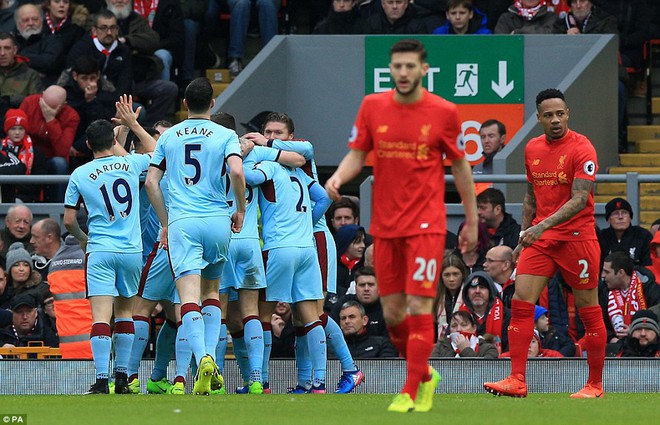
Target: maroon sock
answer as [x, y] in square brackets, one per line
[420, 345]
[399, 336]
[595, 339]
[521, 330]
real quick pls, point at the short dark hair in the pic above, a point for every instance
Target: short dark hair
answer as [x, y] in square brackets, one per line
[621, 261]
[356, 304]
[8, 36]
[224, 119]
[199, 95]
[365, 271]
[105, 14]
[86, 65]
[501, 128]
[465, 315]
[492, 196]
[100, 135]
[451, 4]
[151, 131]
[163, 123]
[344, 202]
[408, 45]
[279, 117]
[549, 94]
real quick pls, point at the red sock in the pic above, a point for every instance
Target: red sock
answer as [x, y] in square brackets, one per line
[420, 345]
[595, 338]
[521, 330]
[399, 335]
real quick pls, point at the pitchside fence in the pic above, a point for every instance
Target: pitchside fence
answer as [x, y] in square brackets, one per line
[382, 376]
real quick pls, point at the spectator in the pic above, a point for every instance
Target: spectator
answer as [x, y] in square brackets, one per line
[462, 18]
[53, 125]
[6, 291]
[395, 17]
[642, 339]
[585, 18]
[628, 291]
[19, 144]
[18, 222]
[7, 10]
[500, 266]
[17, 79]
[29, 325]
[283, 332]
[621, 235]
[490, 314]
[655, 256]
[449, 297]
[350, 252]
[46, 240]
[476, 258]
[66, 278]
[193, 16]
[463, 341]
[353, 321]
[167, 21]
[343, 18]
[536, 349]
[550, 338]
[366, 293]
[504, 229]
[343, 212]
[66, 20]
[526, 17]
[493, 138]
[135, 33]
[22, 276]
[559, 7]
[44, 50]
[493, 9]
[238, 27]
[93, 97]
[655, 226]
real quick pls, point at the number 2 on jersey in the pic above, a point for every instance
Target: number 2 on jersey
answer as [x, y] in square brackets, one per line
[121, 199]
[299, 206]
[191, 160]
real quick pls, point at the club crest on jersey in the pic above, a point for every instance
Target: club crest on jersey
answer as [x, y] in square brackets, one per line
[425, 131]
[589, 168]
[422, 152]
[354, 134]
[562, 159]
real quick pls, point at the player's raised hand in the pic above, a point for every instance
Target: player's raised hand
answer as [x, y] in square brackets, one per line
[125, 114]
[257, 138]
[237, 222]
[467, 239]
[332, 186]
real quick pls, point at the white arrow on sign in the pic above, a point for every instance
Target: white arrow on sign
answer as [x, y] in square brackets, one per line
[502, 88]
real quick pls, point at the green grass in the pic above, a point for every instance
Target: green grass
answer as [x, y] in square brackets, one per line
[331, 409]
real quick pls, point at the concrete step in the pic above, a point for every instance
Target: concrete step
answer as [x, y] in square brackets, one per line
[639, 159]
[218, 75]
[613, 190]
[656, 105]
[648, 217]
[640, 170]
[648, 146]
[643, 132]
[646, 203]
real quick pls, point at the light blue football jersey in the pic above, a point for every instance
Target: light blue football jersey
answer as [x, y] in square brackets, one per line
[149, 222]
[194, 152]
[109, 188]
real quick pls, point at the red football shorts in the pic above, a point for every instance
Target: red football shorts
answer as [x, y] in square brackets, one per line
[409, 265]
[578, 261]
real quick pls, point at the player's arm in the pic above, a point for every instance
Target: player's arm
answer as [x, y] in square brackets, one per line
[528, 208]
[318, 195]
[237, 178]
[152, 185]
[579, 195]
[462, 172]
[71, 224]
[349, 167]
[302, 147]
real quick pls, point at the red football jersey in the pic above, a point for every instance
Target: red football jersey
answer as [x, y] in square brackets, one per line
[409, 142]
[551, 168]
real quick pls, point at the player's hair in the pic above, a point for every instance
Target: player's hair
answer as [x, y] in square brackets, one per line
[279, 117]
[451, 4]
[501, 128]
[151, 131]
[105, 14]
[492, 196]
[50, 227]
[621, 261]
[408, 45]
[8, 36]
[465, 315]
[365, 271]
[344, 202]
[549, 94]
[163, 123]
[224, 119]
[86, 65]
[100, 135]
[356, 304]
[199, 95]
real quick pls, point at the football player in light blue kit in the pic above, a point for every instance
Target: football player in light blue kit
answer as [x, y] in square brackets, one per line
[108, 186]
[197, 225]
[293, 273]
[278, 132]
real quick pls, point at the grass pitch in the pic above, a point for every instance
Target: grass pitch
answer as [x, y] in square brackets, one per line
[331, 409]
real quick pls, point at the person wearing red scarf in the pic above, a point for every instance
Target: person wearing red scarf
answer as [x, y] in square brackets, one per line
[526, 17]
[350, 252]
